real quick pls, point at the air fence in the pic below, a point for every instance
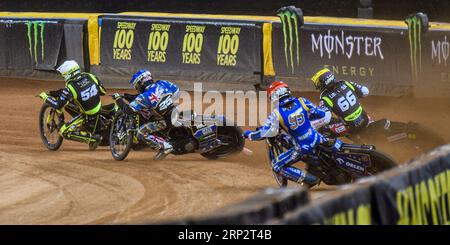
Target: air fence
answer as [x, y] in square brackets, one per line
[415, 193]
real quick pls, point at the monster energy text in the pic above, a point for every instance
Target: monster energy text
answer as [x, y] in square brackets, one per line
[415, 44]
[291, 24]
[440, 50]
[35, 34]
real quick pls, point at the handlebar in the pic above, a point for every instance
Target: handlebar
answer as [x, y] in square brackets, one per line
[126, 96]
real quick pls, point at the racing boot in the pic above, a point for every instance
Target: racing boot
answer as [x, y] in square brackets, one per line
[300, 176]
[94, 141]
[164, 150]
[160, 144]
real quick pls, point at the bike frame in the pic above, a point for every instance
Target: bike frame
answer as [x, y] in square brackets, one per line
[353, 163]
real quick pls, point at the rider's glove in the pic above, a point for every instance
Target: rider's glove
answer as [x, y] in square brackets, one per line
[116, 96]
[43, 95]
[247, 134]
[278, 166]
[334, 144]
[337, 145]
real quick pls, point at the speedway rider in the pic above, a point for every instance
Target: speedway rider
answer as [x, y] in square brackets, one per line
[299, 118]
[150, 94]
[84, 89]
[341, 97]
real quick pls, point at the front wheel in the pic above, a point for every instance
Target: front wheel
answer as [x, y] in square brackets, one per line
[274, 149]
[120, 139]
[50, 122]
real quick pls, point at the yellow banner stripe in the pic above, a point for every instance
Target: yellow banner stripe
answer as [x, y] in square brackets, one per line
[308, 19]
[203, 16]
[94, 40]
[47, 15]
[267, 50]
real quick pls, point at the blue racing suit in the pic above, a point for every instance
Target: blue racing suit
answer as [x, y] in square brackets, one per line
[298, 118]
[147, 104]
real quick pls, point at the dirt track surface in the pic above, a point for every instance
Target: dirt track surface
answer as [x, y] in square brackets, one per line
[75, 186]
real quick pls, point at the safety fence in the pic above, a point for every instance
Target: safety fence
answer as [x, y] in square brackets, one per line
[390, 57]
[415, 193]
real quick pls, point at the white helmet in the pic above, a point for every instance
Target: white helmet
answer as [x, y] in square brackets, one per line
[69, 69]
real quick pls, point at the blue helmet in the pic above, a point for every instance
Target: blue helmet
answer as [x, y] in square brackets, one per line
[141, 80]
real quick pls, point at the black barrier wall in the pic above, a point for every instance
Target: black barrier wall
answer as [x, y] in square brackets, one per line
[345, 207]
[419, 195]
[31, 44]
[208, 50]
[34, 47]
[415, 193]
[268, 204]
[369, 56]
[390, 60]
[429, 62]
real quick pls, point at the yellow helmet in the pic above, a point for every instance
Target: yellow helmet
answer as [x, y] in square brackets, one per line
[323, 78]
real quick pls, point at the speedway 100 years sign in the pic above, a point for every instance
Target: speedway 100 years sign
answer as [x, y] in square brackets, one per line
[166, 45]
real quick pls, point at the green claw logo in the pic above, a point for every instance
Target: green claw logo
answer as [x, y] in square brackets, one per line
[415, 30]
[35, 33]
[291, 19]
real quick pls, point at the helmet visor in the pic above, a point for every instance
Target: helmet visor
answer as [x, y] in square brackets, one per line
[278, 93]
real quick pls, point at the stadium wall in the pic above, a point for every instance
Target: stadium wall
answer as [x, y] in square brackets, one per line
[392, 58]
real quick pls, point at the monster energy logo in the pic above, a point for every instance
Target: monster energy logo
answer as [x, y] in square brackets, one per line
[415, 26]
[440, 50]
[290, 18]
[35, 33]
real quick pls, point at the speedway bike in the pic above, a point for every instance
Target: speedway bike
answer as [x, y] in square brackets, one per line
[333, 167]
[212, 137]
[51, 120]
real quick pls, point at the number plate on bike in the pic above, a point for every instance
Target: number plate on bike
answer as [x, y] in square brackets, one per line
[204, 132]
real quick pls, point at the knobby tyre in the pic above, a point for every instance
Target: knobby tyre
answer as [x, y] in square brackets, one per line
[274, 150]
[120, 140]
[380, 162]
[50, 123]
[233, 139]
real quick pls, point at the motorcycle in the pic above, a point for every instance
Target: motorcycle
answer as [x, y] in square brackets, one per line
[51, 120]
[396, 134]
[348, 164]
[197, 134]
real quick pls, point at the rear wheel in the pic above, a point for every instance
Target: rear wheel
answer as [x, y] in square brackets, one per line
[50, 122]
[120, 140]
[423, 137]
[379, 162]
[232, 140]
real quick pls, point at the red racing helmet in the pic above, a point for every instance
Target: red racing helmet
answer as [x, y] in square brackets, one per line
[278, 90]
